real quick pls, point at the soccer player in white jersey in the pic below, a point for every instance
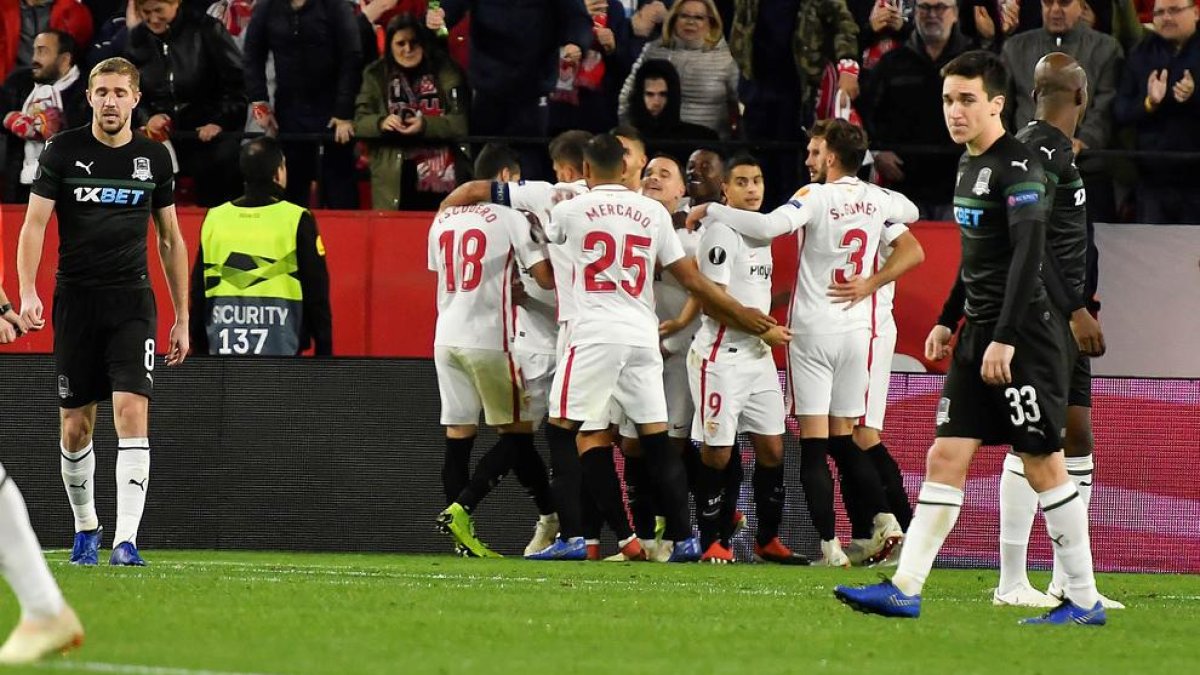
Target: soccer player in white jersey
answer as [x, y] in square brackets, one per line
[47, 624]
[733, 379]
[897, 241]
[843, 220]
[614, 238]
[474, 249]
[536, 199]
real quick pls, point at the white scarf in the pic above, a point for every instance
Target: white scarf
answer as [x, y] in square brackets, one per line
[42, 97]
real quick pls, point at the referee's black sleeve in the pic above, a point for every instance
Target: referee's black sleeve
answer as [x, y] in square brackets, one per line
[314, 280]
[198, 307]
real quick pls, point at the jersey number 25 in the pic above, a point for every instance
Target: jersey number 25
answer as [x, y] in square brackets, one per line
[634, 259]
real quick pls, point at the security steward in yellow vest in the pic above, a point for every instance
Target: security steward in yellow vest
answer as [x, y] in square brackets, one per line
[260, 285]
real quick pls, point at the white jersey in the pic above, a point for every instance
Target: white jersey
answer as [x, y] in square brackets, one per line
[613, 237]
[671, 296]
[743, 266]
[884, 298]
[473, 250]
[538, 198]
[843, 222]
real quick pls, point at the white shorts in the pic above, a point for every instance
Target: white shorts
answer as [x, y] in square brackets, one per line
[537, 372]
[470, 380]
[734, 395]
[883, 348]
[589, 375]
[827, 374]
[680, 409]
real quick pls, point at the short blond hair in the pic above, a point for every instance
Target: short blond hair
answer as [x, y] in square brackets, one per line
[117, 66]
[716, 27]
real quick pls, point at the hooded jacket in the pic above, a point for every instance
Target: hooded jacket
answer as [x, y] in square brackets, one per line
[667, 125]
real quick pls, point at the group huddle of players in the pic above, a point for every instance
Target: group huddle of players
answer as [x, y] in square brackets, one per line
[615, 306]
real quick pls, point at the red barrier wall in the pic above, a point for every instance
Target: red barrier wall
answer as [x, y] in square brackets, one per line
[384, 299]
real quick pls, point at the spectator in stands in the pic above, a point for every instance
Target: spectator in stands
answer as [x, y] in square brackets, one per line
[235, 16]
[780, 93]
[22, 20]
[1100, 55]
[38, 102]
[977, 19]
[414, 92]
[1158, 98]
[192, 82]
[654, 105]
[902, 105]
[287, 310]
[515, 54]
[883, 25]
[694, 43]
[318, 72]
[106, 30]
[585, 96]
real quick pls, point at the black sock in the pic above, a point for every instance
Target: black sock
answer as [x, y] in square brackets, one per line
[862, 490]
[734, 474]
[691, 464]
[893, 484]
[494, 464]
[817, 481]
[642, 503]
[600, 479]
[666, 470]
[565, 480]
[590, 516]
[530, 471]
[769, 495]
[710, 497]
[456, 467]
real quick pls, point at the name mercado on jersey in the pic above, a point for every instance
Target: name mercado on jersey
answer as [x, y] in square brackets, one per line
[103, 197]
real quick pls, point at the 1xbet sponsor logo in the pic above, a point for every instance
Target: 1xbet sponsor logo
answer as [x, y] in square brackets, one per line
[119, 196]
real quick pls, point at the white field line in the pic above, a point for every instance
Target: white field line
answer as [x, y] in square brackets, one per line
[129, 668]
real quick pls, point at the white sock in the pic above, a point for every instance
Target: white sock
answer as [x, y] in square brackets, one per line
[21, 557]
[1079, 469]
[78, 474]
[1018, 506]
[1066, 522]
[937, 510]
[133, 480]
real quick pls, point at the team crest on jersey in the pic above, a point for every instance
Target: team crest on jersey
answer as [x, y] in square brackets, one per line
[141, 169]
[943, 411]
[711, 427]
[64, 387]
[981, 182]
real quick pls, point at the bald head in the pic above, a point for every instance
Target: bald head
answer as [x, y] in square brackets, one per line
[1058, 73]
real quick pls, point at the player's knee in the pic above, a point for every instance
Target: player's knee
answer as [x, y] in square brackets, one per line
[76, 431]
[715, 458]
[768, 451]
[459, 431]
[129, 416]
[947, 463]
[866, 437]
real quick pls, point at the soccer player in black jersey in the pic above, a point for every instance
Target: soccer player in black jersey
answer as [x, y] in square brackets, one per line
[105, 182]
[1061, 99]
[1007, 381]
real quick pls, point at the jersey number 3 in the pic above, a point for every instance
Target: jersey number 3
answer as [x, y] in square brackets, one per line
[633, 259]
[470, 259]
[856, 241]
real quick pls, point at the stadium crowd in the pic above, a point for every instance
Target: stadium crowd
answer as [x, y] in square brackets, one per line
[372, 97]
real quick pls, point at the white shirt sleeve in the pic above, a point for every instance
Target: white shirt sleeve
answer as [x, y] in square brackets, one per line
[792, 216]
[670, 249]
[535, 195]
[892, 231]
[718, 248]
[556, 229]
[432, 248]
[529, 253]
[900, 209]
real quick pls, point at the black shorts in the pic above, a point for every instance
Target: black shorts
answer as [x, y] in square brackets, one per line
[1030, 413]
[103, 342]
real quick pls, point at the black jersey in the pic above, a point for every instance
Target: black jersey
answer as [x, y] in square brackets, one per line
[103, 197]
[1000, 207]
[1066, 227]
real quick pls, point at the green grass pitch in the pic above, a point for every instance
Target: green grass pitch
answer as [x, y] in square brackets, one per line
[239, 612]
